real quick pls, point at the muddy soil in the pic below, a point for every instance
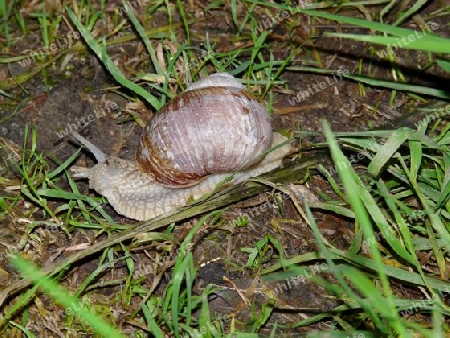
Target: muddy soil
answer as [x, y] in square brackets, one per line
[67, 96]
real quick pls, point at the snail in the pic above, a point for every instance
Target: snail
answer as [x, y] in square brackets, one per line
[202, 136]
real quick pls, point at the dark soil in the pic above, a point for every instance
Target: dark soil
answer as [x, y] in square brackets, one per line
[58, 97]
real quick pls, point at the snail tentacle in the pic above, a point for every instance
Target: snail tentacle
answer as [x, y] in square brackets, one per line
[98, 154]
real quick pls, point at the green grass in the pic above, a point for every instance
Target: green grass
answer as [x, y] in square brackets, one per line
[399, 199]
[65, 299]
[385, 219]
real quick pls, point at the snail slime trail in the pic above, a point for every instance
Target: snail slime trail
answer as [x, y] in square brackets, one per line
[211, 130]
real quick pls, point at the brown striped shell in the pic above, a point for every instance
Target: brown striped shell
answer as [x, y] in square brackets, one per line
[214, 126]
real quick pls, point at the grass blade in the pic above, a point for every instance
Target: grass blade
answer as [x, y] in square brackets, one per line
[63, 298]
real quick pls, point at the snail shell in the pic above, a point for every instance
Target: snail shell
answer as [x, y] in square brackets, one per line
[215, 126]
[211, 130]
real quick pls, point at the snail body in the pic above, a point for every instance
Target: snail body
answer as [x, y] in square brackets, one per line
[211, 130]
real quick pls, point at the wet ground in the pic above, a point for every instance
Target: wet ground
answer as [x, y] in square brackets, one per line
[77, 90]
